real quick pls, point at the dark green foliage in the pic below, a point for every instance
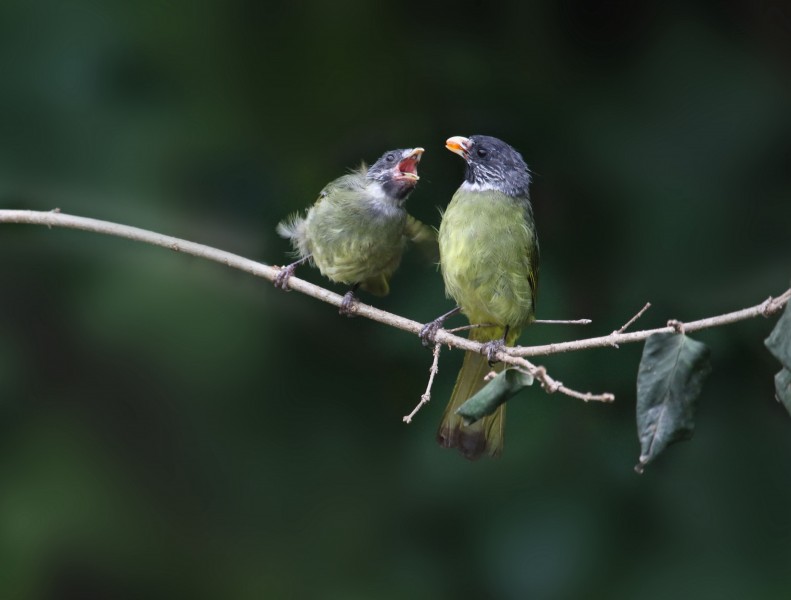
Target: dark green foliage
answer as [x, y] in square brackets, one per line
[669, 382]
[783, 388]
[498, 390]
[779, 341]
[779, 344]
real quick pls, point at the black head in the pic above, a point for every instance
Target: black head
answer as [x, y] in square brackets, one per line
[396, 170]
[491, 163]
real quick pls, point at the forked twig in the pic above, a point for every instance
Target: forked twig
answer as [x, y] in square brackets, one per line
[626, 325]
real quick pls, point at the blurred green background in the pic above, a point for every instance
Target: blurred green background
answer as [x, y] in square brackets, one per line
[170, 428]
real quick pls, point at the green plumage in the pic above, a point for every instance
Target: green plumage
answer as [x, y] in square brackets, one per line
[489, 259]
[356, 231]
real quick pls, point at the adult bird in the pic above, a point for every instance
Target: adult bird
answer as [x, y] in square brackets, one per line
[357, 229]
[489, 260]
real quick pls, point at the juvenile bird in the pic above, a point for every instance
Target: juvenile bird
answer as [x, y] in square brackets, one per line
[357, 230]
[489, 260]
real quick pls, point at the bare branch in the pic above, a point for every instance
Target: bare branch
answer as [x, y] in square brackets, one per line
[426, 397]
[57, 219]
[766, 308]
[513, 356]
[551, 385]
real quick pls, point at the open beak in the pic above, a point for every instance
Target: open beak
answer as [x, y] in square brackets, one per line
[459, 145]
[407, 167]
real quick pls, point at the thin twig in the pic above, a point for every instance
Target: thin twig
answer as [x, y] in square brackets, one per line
[551, 385]
[639, 314]
[537, 321]
[426, 397]
[626, 325]
[587, 396]
[470, 326]
[563, 321]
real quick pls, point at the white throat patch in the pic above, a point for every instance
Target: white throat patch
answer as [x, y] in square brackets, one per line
[476, 187]
[380, 203]
[375, 190]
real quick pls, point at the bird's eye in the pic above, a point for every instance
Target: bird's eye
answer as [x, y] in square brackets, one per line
[390, 157]
[482, 152]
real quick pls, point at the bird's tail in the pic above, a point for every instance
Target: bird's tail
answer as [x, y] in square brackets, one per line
[485, 436]
[293, 228]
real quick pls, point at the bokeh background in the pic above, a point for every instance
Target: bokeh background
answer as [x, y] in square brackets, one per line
[170, 428]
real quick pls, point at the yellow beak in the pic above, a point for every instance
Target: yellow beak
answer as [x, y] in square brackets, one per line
[458, 145]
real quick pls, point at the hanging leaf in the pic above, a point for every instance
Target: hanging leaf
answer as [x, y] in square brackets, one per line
[783, 388]
[779, 341]
[669, 381]
[493, 394]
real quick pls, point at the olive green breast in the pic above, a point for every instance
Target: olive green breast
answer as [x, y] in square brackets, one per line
[354, 236]
[489, 257]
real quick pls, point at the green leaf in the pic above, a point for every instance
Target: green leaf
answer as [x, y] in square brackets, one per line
[779, 341]
[493, 394]
[669, 381]
[783, 388]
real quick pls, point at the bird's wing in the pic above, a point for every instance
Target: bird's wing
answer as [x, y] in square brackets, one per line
[534, 258]
[423, 236]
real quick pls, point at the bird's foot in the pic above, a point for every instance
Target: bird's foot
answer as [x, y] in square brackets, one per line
[429, 332]
[348, 304]
[490, 350]
[430, 329]
[281, 281]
